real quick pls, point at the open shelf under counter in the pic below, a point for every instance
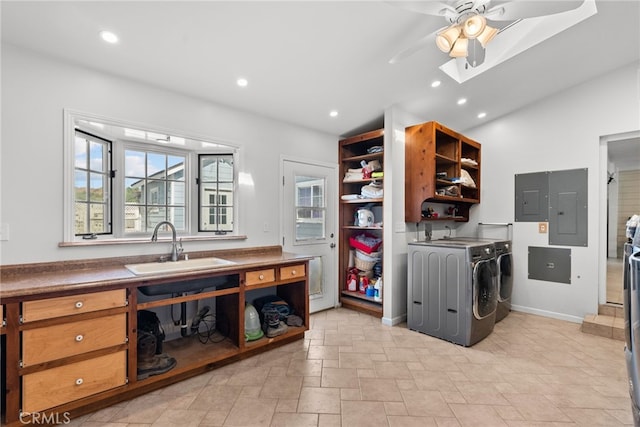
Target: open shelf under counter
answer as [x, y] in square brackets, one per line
[292, 331]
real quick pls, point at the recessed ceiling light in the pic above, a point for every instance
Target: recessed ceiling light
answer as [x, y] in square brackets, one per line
[435, 83]
[242, 82]
[109, 37]
[482, 115]
[333, 113]
[462, 101]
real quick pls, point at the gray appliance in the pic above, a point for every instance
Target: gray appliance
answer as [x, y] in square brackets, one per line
[452, 292]
[504, 259]
[631, 289]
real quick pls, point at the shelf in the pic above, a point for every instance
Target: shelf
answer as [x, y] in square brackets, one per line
[360, 181]
[364, 305]
[355, 227]
[444, 159]
[368, 156]
[361, 201]
[264, 341]
[361, 296]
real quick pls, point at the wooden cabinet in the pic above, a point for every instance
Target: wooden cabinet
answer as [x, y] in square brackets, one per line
[441, 166]
[354, 152]
[72, 347]
[73, 350]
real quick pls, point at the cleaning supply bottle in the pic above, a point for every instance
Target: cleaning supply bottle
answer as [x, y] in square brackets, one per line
[377, 293]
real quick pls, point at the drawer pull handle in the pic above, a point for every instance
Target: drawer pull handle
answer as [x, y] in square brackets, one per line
[79, 381]
[79, 338]
[293, 272]
[261, 277]
[79, 304]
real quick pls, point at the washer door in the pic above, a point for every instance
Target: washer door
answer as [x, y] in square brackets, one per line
[485, 288]
[505, 284]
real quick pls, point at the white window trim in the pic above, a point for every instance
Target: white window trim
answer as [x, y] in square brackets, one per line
[69, 238]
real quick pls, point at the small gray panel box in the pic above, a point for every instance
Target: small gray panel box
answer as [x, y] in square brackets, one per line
[550, 264]
[532, 197]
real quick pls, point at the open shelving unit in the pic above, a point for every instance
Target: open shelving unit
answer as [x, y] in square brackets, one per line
[352, 151]
[435, 158]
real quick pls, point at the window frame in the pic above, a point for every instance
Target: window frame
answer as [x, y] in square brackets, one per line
[206, 145]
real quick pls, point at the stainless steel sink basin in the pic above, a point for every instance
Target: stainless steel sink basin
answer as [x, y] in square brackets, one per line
[149, 268]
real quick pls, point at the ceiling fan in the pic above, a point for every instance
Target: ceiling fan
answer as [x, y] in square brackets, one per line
[468, 31]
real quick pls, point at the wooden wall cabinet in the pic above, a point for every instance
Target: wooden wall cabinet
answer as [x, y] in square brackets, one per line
[434, 155]
[352, 151]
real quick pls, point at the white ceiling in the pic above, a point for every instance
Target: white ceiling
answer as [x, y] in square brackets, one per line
[305, 58]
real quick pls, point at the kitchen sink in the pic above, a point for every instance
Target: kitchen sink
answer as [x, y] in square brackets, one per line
[193, 285]
[149, 268]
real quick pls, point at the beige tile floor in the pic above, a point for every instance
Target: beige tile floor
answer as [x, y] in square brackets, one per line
[352, 371]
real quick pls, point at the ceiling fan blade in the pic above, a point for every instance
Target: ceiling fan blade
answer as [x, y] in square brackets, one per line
[428, 40]
[436, 8]
[512, 10]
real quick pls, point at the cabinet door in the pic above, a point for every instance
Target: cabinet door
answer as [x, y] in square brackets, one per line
[73, 304]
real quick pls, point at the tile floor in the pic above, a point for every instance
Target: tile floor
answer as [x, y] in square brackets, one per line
[352, 371]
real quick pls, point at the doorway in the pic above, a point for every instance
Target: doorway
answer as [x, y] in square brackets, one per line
[309, 195]
[623, 201]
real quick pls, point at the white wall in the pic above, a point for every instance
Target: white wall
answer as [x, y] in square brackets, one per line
[560, 132]
[36, 89]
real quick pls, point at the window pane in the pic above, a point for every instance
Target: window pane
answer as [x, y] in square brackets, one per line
[97, 156]
[80, 186]
[98, 218]
[156, 192]
[208, 219]
[134, 190]
[155, 215]
[81, 218]
[134, 219]
[156, 165]
[208, 168]
[176, 167]
[225, 194]
[134, 164]
[80, 153]
[310, 208]
[175, 193]
[225, 219]
[177, 217]
[97, 187]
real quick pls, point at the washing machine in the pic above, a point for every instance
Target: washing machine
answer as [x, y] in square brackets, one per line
[453, 290]
[504, 259]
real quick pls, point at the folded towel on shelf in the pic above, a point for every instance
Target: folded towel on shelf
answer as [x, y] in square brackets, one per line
[466, 179]
[372, 191]
[467, 161]
[351, 196]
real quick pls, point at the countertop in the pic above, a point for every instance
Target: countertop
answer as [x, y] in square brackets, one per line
[29, 280]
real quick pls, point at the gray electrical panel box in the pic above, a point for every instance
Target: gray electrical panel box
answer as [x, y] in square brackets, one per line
[550, 264]
[532, 197]
[568, 207]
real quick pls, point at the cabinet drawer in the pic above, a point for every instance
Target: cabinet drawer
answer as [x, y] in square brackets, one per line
[260, 276]
[74, 304]
[55, 342]
[292, 272]
[53, 387]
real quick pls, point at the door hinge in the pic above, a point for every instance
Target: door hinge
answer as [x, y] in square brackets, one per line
[283, 180]
[282, 240]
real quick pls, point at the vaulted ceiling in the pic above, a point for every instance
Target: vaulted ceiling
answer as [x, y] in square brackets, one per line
[303, 59]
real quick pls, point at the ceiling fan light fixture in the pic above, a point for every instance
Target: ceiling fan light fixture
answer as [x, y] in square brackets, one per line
[459, 48]
[487, 35]
[474, 26]
[446, 38]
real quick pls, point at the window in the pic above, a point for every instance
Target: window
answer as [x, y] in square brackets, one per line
[121, 181]
[216, 189]
[155, 190]
[310, 207]
[92, 184]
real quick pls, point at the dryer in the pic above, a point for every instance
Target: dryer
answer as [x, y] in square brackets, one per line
[504, 259]
[452, 292]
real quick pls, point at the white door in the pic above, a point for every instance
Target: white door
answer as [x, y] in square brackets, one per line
[308, 225]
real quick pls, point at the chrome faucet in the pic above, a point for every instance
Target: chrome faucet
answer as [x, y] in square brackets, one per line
[175, 250]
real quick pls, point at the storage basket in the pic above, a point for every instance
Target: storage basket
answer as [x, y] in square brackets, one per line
[365, 242]
[364, 265]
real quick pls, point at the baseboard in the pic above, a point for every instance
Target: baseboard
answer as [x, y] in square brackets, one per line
[545, 313]
[394, 320]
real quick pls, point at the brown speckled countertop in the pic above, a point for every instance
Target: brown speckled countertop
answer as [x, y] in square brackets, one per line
[26, 281]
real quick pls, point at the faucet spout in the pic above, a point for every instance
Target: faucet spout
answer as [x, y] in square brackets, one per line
[175, 251]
